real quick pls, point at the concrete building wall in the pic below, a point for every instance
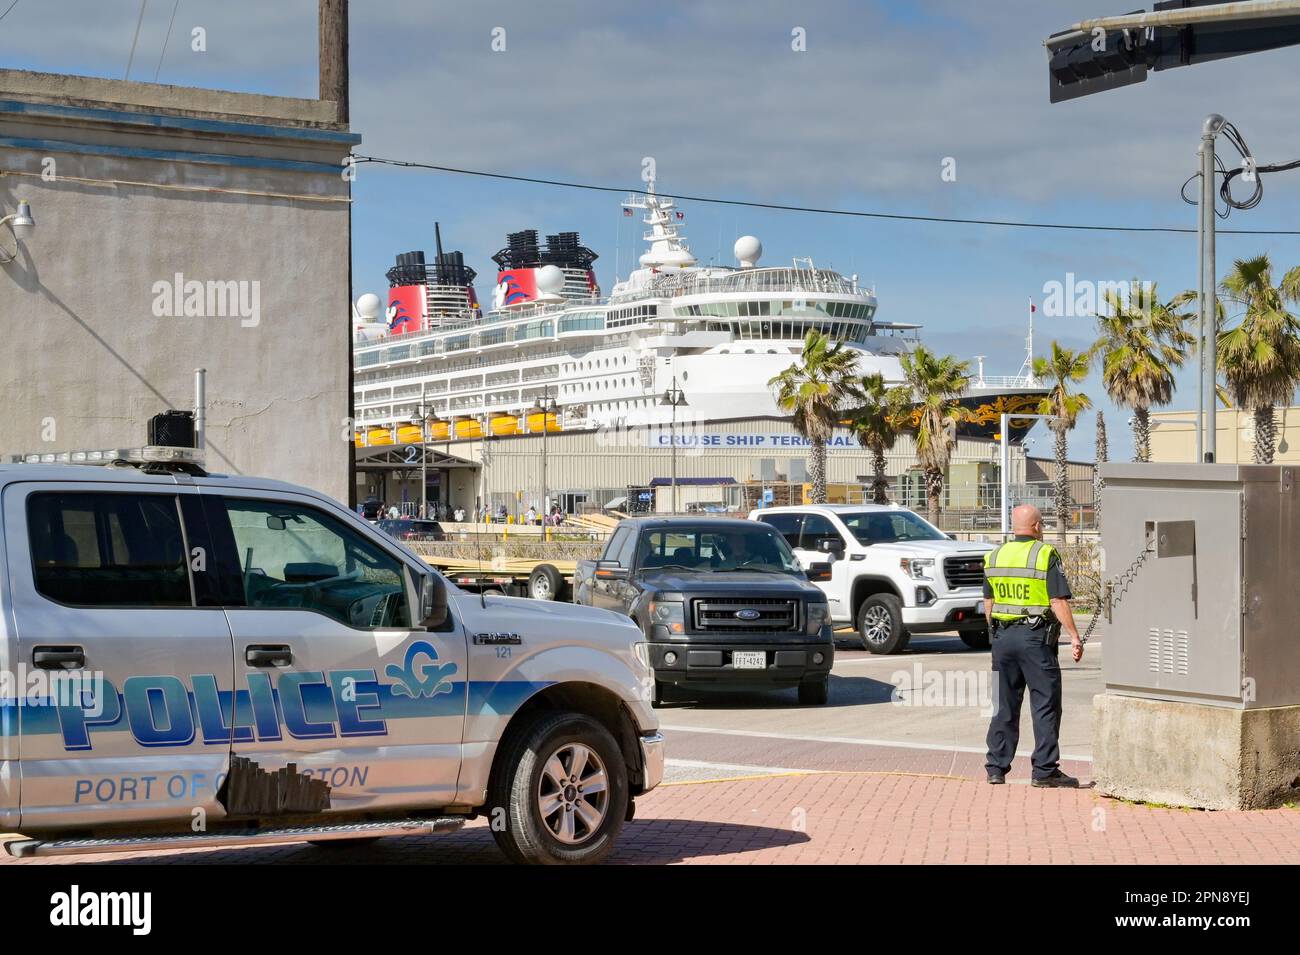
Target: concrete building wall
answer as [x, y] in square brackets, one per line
[137, 189]
[1173, 436]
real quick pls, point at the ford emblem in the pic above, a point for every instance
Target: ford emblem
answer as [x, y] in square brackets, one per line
[747, 614]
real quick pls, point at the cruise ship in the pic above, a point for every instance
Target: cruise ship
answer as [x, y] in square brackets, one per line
[553, 352]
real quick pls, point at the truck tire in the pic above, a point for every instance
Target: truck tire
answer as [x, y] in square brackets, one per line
[545, 583]
[539, 813]
[880, 624]
[975, 639]
[815, 692]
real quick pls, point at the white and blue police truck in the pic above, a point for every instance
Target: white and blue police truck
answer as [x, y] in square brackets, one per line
[204, 660]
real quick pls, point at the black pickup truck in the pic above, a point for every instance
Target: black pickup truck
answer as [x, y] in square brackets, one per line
[722, 603]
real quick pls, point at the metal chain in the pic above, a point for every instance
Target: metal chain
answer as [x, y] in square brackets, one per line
[1119, 586]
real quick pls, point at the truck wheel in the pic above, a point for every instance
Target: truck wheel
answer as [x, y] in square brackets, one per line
[975, 639]
[545, 583]
[880, 624]
[562, 784]
[815, 692]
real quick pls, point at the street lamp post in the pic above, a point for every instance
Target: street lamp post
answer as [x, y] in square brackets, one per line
[423, 413]
[676, 398]
[1004, 479]
[546, 405]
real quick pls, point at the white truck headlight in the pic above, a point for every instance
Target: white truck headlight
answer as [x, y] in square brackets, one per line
[670, 614]
[819, 615]
[918, 568]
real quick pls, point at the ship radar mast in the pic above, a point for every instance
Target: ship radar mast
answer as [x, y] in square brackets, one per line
[667, 248]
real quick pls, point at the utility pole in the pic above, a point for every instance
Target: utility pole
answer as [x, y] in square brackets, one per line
[333, 36]
[1209, 349]
[675, 397]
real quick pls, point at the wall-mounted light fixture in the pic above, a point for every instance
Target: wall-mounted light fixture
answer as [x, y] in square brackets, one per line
[19, 224]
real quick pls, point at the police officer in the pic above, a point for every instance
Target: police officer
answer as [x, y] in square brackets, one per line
[1026, 602]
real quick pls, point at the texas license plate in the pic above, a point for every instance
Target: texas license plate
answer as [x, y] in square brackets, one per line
[749, 660]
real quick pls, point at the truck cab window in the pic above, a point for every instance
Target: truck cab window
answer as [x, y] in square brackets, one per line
[94, 549]
[294, 557]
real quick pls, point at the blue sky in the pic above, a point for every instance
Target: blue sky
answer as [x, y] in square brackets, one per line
[713, 91]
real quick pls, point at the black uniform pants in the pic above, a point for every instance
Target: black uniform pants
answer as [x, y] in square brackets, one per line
[1024, 657]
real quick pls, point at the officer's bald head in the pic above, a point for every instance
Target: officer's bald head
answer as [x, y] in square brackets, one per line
[1027, 521]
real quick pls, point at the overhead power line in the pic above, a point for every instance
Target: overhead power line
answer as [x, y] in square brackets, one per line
[814, 210]
[7, 9]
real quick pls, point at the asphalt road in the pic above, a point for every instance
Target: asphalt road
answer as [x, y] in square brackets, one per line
[933, 700]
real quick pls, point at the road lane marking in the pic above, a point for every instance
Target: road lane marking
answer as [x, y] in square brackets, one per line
[849, 740]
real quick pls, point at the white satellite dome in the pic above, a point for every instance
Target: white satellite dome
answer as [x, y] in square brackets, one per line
[667, 259]
[369, 306]
[748, 251]
[550, 280]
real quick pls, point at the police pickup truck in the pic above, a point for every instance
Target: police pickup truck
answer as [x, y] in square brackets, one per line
[892, 573]
[722, 602]
[205, 660]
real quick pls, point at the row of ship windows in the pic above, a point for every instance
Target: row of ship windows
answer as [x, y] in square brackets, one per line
[858, 310]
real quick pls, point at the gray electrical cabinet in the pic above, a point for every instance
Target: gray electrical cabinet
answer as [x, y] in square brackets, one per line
[1212, 615]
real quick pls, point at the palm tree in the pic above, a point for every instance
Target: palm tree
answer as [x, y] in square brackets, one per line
[1143, 342]
[1260, 356]
[1063, 369]
[935, 384]
[877, 425]
[815, 390]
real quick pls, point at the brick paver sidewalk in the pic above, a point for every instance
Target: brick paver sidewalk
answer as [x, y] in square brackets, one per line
[857, 817]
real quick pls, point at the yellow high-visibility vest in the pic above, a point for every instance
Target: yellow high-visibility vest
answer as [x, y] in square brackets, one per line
[1017, 572]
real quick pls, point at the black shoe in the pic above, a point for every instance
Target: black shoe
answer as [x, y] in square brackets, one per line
[997, 777]
[1058, 780]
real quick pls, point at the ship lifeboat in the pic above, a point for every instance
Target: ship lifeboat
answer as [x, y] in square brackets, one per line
[439, 430]
[535, 422]
[409, 434]
[469, 428]
[504, 424]
[377, 436]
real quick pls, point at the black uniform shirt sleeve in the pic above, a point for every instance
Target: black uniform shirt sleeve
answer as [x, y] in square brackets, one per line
[988, 589]
[1058, 587]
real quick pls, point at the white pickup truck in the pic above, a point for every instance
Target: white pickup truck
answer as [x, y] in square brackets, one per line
[208, 660]
[892, 572]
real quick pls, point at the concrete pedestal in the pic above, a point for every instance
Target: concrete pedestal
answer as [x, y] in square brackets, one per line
[1190, 754]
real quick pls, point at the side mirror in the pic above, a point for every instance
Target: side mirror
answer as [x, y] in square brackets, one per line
[819, 572]
[830, 545]
[952, 537]
[610, 570]
[433, 602]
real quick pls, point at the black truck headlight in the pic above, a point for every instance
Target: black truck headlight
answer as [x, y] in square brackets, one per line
[819, 615]
[670, 614]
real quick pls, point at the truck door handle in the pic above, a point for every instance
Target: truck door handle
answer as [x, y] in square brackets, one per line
[268, 656]
[59, 658]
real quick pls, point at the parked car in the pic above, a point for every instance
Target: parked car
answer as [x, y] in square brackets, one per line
[309, 679]
[892, 572]
[411, 529]
[722, 602]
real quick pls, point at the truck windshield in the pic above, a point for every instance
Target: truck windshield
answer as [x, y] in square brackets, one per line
[886, 527]
[744, 547]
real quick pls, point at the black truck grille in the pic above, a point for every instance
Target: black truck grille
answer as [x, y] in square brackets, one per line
[738, 614]
[963, 571]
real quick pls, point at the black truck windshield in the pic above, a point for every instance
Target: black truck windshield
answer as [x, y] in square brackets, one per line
[887, 527]
[744, 547]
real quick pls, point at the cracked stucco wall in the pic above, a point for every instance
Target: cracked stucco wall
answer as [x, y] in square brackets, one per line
[86, 360]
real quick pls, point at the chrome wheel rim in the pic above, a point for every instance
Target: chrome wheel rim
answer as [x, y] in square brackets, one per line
[876, 624]
[573, 794]
[541, 587]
